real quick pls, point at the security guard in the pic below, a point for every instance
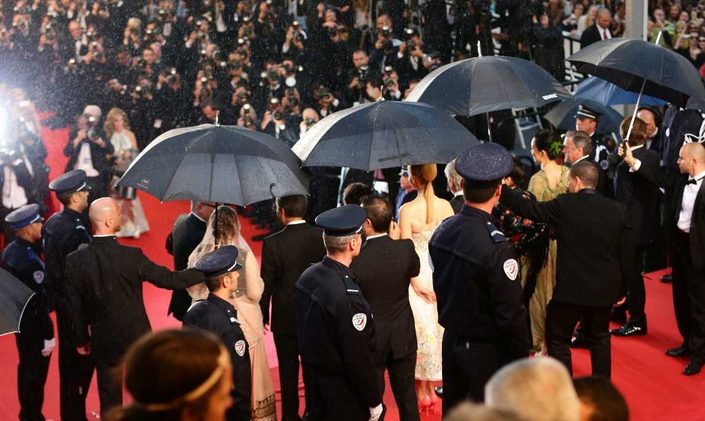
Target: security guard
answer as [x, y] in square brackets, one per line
[35, 341]
[215, 314]
[62, 234]
[477, 282]
[336, 330]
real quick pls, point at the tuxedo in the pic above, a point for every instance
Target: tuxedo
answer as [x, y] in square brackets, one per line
[285, 256]
[642, 201]
[457, 203]
[688, 255]
[187, 233]
[105, 305]
[595, 254]
[592, 35]
[384, 269]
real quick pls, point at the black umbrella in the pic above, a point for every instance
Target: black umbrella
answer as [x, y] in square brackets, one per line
[14, 296]
[563, 114]
[484, 84]
[383, 134]
[221, 164]
[639, 66]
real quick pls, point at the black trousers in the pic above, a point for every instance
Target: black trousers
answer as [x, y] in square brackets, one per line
[402, 381]
[32, 373]
[467, 366]
[333, 398]
[561, 319]
[636, 292]
[109, 385]
[288, 355]
[689, 297]
[75, 373]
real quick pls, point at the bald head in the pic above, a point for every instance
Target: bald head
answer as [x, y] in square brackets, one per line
[105, 216]
[695, 151]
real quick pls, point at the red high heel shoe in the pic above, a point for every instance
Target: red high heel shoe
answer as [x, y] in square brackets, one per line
[424, 405]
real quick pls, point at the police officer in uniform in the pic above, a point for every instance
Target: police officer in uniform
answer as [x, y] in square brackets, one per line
[62, 234]
[215, 314]
[336, 330]
[35, 341]
[477, 282]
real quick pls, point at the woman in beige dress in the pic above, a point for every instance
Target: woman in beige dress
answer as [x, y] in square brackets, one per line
[546, 184]
[245, 301]
[417, 221]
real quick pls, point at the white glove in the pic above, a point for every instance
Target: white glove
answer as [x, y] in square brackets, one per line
[48, 346]
[376, 412]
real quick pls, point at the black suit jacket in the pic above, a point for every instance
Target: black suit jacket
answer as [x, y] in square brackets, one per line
[457, 203]
[384, 269]
[595, 244]
[639, 196]
[187, 233]
[285, 256]
[104, 291]
[675, 185]
[590, 36]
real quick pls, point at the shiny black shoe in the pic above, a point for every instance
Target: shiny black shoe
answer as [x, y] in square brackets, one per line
[667, 278]
[579, 341]
[680, 351]
[439, 391]
[693, 368]
[630, 329]
[618, 314]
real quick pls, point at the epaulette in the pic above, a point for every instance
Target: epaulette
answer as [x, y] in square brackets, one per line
[496, 234]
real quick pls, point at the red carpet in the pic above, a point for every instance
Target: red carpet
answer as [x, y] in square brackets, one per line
[651, 381]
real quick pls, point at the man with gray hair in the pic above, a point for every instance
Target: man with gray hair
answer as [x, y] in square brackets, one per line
[335, 326]
[455, 185]
[537, 389]
[88, 148]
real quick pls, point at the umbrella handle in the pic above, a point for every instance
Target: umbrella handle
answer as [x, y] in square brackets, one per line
[636, 109]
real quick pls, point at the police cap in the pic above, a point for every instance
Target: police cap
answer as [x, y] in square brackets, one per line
[70, 182]
[586, 112]
[21, 217]
[218, 262]
[343, 221]
[484, 162]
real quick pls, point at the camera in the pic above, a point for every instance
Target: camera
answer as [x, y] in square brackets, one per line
[410, 45]
[389, 83]
[309, 122]
[92, 132]
[247, 107]
[278, 115]
[386, 31]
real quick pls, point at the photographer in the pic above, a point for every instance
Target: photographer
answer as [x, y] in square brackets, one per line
[274, 122]
[294, 40]
[88, 150]
[358, 76]
[413, 61]
[327, 102]
[385, 48]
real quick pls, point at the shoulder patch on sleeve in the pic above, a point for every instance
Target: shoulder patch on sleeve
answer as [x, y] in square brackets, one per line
[359, 321]
[511, 268]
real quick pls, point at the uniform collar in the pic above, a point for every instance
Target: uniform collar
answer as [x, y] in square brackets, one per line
[224, 304]
[334, 264]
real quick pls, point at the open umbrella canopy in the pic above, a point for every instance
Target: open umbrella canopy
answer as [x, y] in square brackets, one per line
[383, 134]
[484, 84]
[14, 296]
[607, 93]
[632, 64]
[222, 164]
[563, 115]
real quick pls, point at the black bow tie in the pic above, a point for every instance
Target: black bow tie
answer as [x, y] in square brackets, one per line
[693, 180]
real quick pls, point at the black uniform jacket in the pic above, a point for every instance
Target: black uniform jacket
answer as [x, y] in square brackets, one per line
[595, 243]
[640, 196]
[477, 283]
[384, 269]
[187, 233]
[21, 259]
[219, 317]
[61, 234]
[336, 330]
[104, 291]
[285, 256]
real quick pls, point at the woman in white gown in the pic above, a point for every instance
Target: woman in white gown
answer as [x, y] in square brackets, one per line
[245, 301]
[417, 220]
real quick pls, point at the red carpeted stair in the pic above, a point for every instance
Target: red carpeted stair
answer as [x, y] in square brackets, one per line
[652, 382]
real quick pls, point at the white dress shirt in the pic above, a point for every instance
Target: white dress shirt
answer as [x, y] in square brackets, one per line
[688, 202]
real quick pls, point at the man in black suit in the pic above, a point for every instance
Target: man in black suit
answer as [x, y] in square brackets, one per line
[642, 201]
[600, 30]
[579, 146]
[285, 256]
[105, 307]
[185, 236]
[384, 269]
[455, 185]
[686, 213]
[595, 249]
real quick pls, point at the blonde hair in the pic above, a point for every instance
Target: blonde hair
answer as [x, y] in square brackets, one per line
[423, 176]
[110, 117]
